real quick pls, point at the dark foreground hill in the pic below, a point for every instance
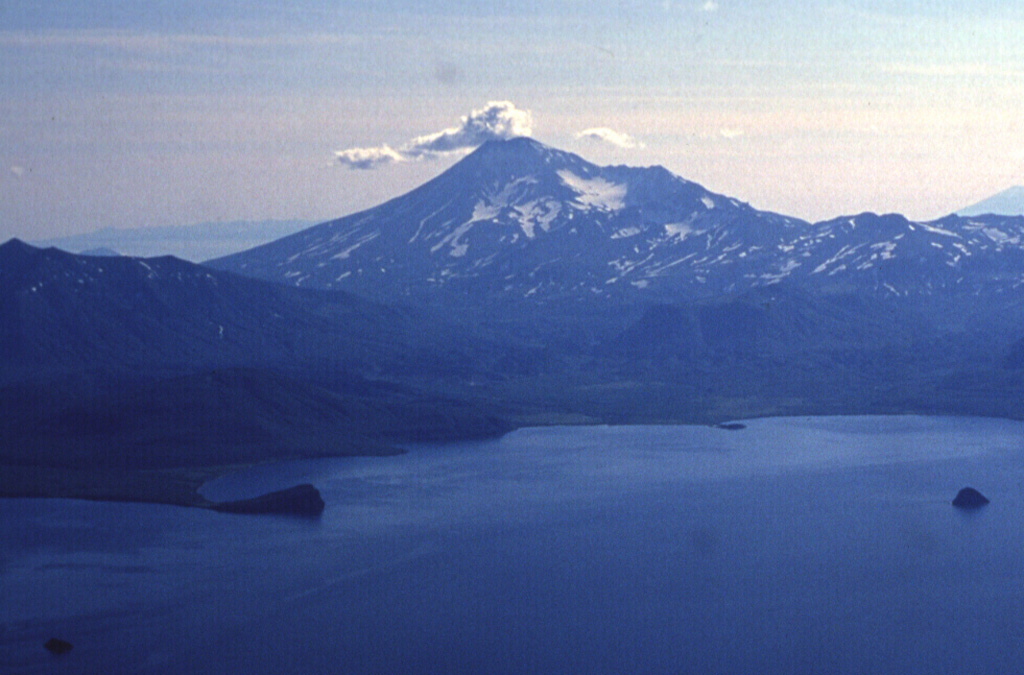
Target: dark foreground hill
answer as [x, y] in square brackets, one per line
[156, 438]
[157, 365]
[63, 313]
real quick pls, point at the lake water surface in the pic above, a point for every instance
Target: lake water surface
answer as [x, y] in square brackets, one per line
[799, 545]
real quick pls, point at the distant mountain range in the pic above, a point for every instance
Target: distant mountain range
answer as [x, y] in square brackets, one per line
[189, 242]
[1009, 202]
[518, 220]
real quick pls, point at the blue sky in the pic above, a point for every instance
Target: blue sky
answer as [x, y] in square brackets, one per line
[128, 114]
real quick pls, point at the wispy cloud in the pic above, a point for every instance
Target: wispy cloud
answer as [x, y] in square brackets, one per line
[942, 69]
[18, 171]
[610, 136]
[498, 120]
[730, 133]
[368, 158]
[157, 42]
[709, 6]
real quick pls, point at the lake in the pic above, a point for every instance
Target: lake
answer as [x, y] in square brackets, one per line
[796, 545]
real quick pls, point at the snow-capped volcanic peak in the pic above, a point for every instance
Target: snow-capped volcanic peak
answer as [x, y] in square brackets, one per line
[518, 219]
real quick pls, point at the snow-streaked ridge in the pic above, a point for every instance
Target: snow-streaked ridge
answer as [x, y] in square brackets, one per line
[523, 220]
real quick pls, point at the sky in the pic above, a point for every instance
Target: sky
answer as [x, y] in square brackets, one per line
[127, 114]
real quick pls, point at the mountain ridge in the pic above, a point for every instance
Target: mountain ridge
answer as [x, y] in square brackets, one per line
[517, 220]
[196, 242]
[61, 312]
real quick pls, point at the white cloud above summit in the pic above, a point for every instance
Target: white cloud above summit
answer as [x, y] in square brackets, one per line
[610, 136]
[498, 120]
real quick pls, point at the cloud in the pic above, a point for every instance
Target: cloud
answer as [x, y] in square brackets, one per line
[498, 120]
[606, 135]
[18, 171]
[730, 133]
[368, 158]
[709, 6]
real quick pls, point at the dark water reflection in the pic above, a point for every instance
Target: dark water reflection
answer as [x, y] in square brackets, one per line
[794, 546]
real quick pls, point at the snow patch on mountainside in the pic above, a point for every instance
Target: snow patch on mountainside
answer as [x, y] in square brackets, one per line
[999, 237]
[490, 208]
[883, 249]
[938, 230]
[345, 253]
[679, 230]
[423, 222]
[783, 272]
[596, 193]
[536, 213]
[627, 232]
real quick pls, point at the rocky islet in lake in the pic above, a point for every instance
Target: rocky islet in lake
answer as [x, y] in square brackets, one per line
[969, 498]
[300, 500]
[57, 647]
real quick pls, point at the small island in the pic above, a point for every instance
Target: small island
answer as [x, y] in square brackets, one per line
[969, 498]
[57, 647]
[300, 500]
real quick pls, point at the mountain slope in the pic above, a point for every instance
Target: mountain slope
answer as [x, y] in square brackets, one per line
[1009, 202]
[60, 311]
[114, 366]
[517, 220]
[220, 417]
[778, 323]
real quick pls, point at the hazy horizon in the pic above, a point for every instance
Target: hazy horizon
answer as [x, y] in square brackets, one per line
[117, 115]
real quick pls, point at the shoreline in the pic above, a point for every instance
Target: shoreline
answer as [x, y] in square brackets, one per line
[165, 487]
[169, 487]
[180, 486]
